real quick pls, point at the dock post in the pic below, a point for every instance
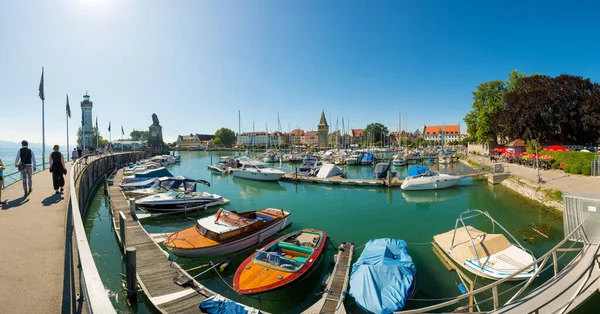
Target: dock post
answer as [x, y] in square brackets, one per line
[296, 175]
[105, 185]
[132, 207]
[130, 272]
[211, 160]
[122, 229]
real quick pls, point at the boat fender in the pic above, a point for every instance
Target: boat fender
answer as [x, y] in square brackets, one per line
[224, 266]
[462, 288]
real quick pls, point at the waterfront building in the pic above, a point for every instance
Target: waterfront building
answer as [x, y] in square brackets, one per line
[194, 141]
[87, 129]
[463, 136]
[278, 138]
[434, 132]
[335, 139]
[296, 137]
[323, 130]
[254, 138]
[311, 138]
[516, 146]
[357, 135]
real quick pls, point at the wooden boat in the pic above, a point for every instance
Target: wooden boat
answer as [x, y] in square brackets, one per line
[488, 255]
[280, 262]
[226, 232]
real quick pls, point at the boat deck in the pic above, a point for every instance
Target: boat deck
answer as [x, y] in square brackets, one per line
[332, 300]
[155, 273]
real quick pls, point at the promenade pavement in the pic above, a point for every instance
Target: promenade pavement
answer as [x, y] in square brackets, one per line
[553, 179]
[32, 247]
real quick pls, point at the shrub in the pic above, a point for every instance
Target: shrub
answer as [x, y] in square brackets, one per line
[567, 168]
[586, 170]
[554, 165]
[569, 157]
[576, 169]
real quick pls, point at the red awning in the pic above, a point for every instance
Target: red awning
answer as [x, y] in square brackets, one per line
[556, 148]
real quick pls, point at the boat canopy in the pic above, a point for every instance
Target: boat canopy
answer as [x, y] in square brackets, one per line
[219, 305]
[368, 157]
[328, 171]
[417, 170]
[381, 170]
[383, 277]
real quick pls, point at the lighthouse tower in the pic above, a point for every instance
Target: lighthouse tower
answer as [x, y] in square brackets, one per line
[88, 139]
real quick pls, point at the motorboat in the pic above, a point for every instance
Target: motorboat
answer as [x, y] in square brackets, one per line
[163, 184]
[381, 170]
[329, 170]
[383, 278]
[147, 174]
[353, 159]
[292, 157]
[227, 232]
[310, 167]
[489, 255]
[174, 201]
[421, 178]
[224, 165]
[399, 161]
[280, 262]
[256, 170]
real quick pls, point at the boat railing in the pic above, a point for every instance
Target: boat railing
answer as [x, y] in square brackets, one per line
[576, 235]
[474, 213]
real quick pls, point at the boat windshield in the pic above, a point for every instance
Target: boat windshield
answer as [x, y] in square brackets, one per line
[262, 166]
[278, 260]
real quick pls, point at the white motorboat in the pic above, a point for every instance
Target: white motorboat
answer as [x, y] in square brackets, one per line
[489, 255]
[399, 160]
[421, 178]
[174, 201]
[256, 170]
[226, 232]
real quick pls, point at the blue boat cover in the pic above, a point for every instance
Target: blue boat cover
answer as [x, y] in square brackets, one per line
[417, 170]
[368, 157]
[382, 278]
[214, 306]
[153, 173]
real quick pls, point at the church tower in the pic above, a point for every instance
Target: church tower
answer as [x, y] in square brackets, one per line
[323, 131]
[88, 139]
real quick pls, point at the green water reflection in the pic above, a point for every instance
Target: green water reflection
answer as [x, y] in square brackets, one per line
[346, 214]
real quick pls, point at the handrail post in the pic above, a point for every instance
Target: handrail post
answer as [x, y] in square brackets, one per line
[554, 264]
[495, 296]
[123, 229]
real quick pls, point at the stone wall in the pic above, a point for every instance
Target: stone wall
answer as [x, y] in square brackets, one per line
[482, 149]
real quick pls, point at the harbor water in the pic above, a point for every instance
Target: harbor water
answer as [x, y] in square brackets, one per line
[350, 214]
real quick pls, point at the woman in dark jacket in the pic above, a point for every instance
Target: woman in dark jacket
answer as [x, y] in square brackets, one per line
[58, 169]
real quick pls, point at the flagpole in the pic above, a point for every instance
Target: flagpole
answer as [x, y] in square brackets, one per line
[43, 122]
[67, 118]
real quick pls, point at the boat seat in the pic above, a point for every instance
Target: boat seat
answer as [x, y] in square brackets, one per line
[301, 259]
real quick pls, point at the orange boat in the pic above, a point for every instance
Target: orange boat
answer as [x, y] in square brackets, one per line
[280, 262]
[226, 232]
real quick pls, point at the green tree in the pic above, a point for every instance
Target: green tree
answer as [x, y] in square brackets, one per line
[217, 141]
[483, 121]
[375, 131]
[227, 136]
[139, 135]
[533, 146]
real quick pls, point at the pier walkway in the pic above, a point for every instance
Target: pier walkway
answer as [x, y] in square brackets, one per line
[33, 264]
[155, 272]
[332, 300]
[554, 179]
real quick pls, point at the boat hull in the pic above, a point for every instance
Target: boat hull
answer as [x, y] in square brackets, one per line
[179, 207]
[236, 245]
[259, 176]
[429, 183]
[248, 280]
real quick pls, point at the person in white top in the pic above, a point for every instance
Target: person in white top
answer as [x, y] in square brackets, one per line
[74, 154]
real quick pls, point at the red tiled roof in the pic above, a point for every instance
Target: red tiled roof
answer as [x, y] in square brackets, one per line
[517, 143]
[297, 132]
[437, 129]
[357, 132]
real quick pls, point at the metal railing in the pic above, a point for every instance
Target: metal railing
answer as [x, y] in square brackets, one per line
[93, 291]
[541, 262]
[16, 176]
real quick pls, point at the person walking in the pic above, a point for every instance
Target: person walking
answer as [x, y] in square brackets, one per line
[58, 169]
[25, 163]
[74, 154]
[1, 181]
[79, 152]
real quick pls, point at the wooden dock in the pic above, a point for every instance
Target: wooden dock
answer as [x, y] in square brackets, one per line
[155, 273]
[332, 300]
[338, 180]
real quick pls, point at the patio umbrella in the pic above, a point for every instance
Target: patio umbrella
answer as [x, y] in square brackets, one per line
[546, 157]
[499, 149]
[557, 148]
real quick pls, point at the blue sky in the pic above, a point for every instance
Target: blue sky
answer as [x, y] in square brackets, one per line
[196, 63]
